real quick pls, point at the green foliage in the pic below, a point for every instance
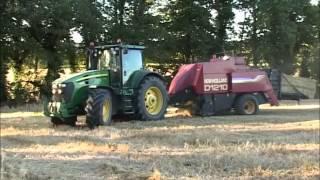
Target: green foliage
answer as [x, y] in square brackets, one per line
[19, 93]
[132, 21]
[88, 20]
[278, 32]
[4, 47]
[314, 62]
[223, 22]
[281, 33]
[189, 30]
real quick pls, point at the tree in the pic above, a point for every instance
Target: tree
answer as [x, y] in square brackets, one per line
[250, 29]
[133, 22]
[308, 40]
[5, 31]
[278, 32]
[223, 22]
[89, 20]
[190, 31]
[49, 25]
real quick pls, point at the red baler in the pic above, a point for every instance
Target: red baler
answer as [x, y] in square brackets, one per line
[220, 86]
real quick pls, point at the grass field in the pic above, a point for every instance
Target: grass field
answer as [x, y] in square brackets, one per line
[279, 143]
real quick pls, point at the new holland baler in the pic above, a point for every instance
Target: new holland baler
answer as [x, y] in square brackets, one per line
[221, 85]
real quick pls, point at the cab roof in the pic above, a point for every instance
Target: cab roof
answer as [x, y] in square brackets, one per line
[121, 46]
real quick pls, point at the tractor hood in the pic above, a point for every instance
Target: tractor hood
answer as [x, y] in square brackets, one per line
[82, 76]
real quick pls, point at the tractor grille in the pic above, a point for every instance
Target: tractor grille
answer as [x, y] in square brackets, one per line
[56, 97]
[66, 92]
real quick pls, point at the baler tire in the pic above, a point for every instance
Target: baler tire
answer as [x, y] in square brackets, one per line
[244, 102]
[96, 107]
[158, 86]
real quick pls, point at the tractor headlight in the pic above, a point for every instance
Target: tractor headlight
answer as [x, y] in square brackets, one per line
[57, 88]
[62, 91]
[62, 85]
[54, 86]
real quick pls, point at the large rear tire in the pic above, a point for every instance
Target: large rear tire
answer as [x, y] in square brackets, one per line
[152, 99]
[99, 108]
[247, 105]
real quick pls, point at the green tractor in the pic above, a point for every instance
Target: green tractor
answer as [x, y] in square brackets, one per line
[118, 85]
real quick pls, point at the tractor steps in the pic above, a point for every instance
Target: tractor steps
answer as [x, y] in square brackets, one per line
[127, 104]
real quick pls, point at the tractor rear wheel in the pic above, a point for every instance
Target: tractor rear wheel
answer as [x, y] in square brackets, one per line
[71, 121]
[99, 108]
[152, 99]
[247, 105]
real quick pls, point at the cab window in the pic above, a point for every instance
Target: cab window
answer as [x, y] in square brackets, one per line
[132, 61]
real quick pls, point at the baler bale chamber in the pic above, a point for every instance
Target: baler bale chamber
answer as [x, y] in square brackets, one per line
[221, 86]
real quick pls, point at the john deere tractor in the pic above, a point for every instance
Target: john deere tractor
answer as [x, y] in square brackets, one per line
[118, 85]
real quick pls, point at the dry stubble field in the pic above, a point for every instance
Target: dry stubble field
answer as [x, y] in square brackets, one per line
[280, 143]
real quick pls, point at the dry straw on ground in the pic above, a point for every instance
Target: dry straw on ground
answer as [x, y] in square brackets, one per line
[280, 143]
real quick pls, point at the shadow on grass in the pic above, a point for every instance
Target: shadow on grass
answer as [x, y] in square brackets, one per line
[269, 116]
[264, 116]
[21, 141]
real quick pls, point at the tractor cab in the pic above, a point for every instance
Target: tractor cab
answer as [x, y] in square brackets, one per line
[120, 60]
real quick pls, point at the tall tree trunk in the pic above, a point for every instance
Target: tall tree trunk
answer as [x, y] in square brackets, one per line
[53, 66]
[254, 38]
[4, 16]
[224, 17]
[36, 64]
[120, 20]
[3, 73]
[188, 53]
[304, 67]
[219, 26]
[72, 59]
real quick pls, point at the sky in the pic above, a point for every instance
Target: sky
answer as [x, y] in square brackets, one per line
[315, 2]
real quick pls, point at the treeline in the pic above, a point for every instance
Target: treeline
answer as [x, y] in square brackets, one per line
[283, 34]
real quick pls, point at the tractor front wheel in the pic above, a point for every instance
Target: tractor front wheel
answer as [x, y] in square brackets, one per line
[99, 108]
[152, 99]
[247, 105]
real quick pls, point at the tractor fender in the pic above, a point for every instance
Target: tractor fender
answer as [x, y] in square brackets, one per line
[100, 87]
[138, 76]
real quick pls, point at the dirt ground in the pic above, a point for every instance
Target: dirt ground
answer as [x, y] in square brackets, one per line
[279, 143]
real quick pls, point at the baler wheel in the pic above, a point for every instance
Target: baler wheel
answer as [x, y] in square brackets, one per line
[152, 99]
[247, 105]
[99, 108]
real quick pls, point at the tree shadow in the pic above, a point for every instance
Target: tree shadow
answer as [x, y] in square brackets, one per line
[194, 164]
[274, 116]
